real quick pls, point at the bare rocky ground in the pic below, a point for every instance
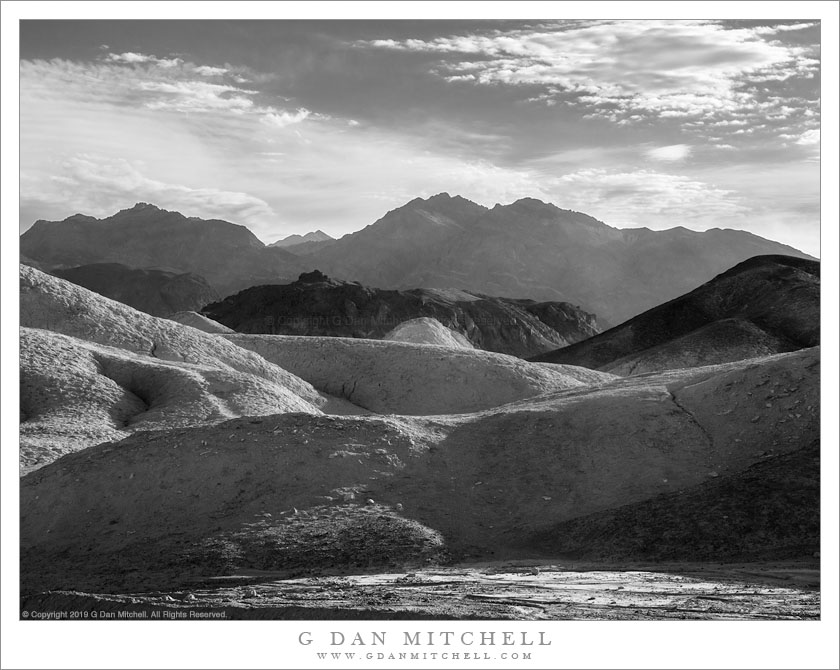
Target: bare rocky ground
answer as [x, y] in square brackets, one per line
[521, 590]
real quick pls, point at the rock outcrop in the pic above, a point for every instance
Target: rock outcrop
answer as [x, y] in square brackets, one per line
[319, 305]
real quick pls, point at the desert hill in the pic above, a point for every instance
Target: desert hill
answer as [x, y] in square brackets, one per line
[413, 379]
[75, 394]
[426, 330]
[155, 292]
[93, 369]
[227, 255]
[318, 305]
[537, 250]
[295, 493]
[51, 303]
[765, 305]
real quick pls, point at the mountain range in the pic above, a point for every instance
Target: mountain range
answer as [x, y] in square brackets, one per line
[536, 250]
[527, 249]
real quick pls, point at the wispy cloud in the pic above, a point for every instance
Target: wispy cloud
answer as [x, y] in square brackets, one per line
[99, 185]
[162, 84]
[283, 119]
[209, 71]
[133, 57]
[624, 68]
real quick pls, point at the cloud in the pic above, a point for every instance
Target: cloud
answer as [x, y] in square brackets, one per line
[100, 186]
[160, 84]
[674, 152]
[209, 71]
[129, 57]
[283, 119]
[784, 27]
[196, 96]
[133, 58]
[621, 68]
[809, 137]
[645, 198]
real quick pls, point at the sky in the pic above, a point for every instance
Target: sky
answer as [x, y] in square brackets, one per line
[292, 126]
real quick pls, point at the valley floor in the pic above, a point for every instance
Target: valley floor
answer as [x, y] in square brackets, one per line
[518, 590]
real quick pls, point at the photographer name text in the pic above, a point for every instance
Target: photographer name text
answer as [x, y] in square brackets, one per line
[428, 639]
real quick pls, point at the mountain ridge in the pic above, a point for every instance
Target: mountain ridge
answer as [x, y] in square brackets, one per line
[527, 248]
[534, 249]
[228, 255]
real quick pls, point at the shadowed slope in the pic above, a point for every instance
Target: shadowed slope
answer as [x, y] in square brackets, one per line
[766, 305]
[771, 509]
[155, 292]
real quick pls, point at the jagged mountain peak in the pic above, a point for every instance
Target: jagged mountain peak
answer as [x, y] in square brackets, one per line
[142, 207]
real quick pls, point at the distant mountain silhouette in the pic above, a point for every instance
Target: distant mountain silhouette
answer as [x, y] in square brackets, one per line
[318, 305]
[229, 256]
[155, 292]
[536, 250]
[295, 240]
[765, 305]
[528, 249]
